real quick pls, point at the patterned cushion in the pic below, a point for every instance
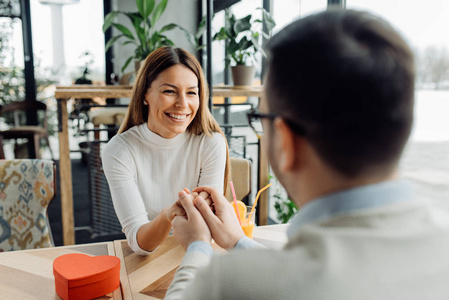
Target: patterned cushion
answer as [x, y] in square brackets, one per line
[26, 188]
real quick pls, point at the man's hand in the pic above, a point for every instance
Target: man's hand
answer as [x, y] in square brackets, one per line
[223, 225]
[190, 227]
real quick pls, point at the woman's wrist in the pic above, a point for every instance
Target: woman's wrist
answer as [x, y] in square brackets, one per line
[165, 215]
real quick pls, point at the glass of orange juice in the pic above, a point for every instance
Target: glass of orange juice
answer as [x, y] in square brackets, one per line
[248, 221]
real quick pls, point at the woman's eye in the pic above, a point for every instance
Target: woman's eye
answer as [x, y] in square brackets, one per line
[169, 91]
[192, 93]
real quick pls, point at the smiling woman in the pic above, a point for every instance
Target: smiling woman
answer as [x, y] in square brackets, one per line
[168, 141]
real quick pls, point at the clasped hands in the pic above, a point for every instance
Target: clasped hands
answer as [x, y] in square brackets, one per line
[208, 214]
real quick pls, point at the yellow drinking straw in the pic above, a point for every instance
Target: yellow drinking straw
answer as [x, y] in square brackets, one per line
[235, 202]
[257, 198]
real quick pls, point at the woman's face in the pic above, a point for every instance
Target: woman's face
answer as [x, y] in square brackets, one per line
[173, 100]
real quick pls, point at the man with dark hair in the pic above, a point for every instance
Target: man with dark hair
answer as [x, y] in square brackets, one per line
[337, 112]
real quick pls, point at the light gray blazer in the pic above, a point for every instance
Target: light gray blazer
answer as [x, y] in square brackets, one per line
[398, 251]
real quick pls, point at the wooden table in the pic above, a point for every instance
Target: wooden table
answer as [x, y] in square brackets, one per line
[64, 93]
[148, 277]
[28, 274]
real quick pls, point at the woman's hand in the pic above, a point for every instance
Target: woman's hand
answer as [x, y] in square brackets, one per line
[174, 210]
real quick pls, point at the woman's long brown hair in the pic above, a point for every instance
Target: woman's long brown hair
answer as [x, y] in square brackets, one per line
[157, 62]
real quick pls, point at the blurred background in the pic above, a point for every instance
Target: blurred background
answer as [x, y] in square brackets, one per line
[50, 43]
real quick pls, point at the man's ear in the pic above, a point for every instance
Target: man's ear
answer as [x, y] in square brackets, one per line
[286, 148]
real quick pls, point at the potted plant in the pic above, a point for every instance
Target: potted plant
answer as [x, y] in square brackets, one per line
[143, 33]
[243, 37]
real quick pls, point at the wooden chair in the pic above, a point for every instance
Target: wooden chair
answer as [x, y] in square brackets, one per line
[18, 131]
[27, 187]
[241, 178]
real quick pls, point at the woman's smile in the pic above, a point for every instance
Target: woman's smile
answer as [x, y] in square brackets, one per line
[177, 117]
[173, 101]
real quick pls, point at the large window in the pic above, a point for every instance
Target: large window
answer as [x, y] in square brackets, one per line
[69, 37]
[11, 61]
[424, 25]
[287, 11]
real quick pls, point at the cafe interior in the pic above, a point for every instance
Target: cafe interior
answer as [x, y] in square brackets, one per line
[67, 71]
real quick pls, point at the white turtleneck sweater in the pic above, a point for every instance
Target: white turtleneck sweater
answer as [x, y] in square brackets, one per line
[145, 172]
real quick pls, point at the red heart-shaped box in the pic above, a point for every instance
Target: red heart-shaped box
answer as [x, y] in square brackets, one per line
[80, 276]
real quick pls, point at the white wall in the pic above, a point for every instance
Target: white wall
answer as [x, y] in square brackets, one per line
[181, 12]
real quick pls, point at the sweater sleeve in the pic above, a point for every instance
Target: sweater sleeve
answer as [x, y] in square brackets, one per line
[119, 168]
[213, 162]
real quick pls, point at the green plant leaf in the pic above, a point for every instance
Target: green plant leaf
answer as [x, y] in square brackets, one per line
[268, 20]
[109, 19]
[124, 30]
[145, 7]
[242, 24]
[232, 47]
[138, 28]
[153, 41]
[141, 53]
[148, 22]
[130, 42]
[244, 43]
[265, 35]
[201, 28]
[134, 17]
[221, 35]
[229, 24]
[127, 63]
[159, 10]
[136, 20]
[111, 41]
[239, 58]
[141, 6]
[168, 27]
[164, 41]
[255, 42]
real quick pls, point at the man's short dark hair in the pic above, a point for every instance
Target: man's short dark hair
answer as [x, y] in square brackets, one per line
[348, 78]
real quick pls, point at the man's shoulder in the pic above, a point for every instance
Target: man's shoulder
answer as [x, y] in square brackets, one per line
[329, 258]
[400, 216]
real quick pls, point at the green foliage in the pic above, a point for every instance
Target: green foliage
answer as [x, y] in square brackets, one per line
[12, 89]
[243, 36]
[12, 85]
[285, 208]
[195, 38]
[143, 33]
[12, 82]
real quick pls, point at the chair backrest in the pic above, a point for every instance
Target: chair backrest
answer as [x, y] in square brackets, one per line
[241, 178]
[25, 105]
[27, 186]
